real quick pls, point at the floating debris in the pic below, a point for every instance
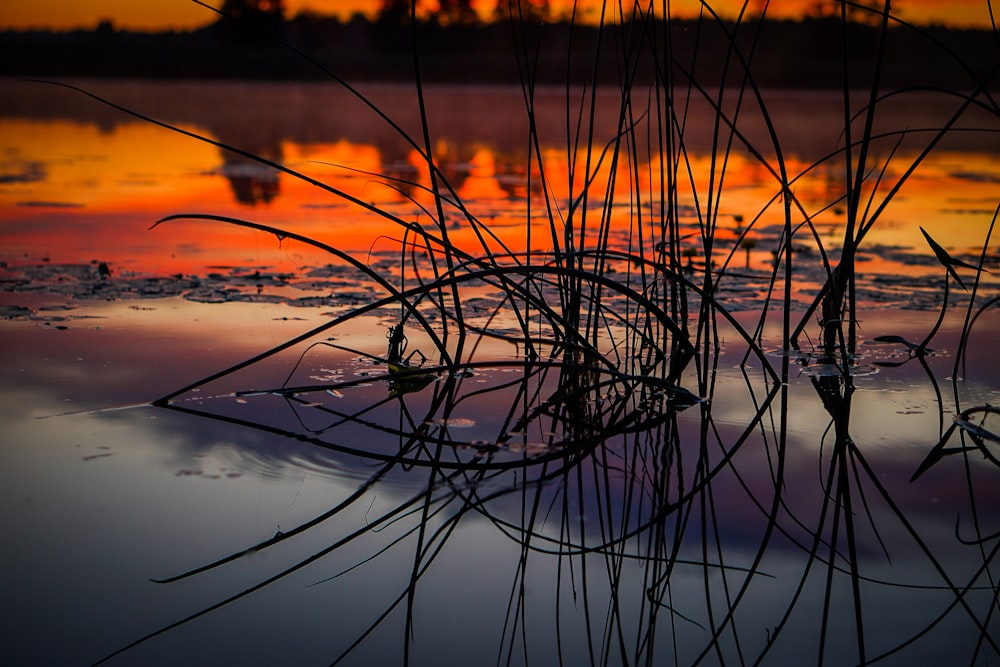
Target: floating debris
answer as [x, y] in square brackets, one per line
[834, 370]
[15, 312]
[454, 422]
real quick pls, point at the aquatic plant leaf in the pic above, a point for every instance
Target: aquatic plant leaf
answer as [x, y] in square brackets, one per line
[891, 364]
[915, 349]
[895, 339]
[947, 260]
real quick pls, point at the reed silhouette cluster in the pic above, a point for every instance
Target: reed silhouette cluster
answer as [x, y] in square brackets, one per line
[603, 432]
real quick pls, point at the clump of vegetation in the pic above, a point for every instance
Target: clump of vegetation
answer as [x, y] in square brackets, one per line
[608, 361]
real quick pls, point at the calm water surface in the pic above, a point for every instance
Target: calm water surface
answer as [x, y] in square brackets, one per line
[509, 549]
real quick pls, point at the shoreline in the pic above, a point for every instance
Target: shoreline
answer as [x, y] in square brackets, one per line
[301, 48]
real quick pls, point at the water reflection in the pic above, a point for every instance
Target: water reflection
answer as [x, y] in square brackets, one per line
[251, 183]
[690, 526]
[71, 163]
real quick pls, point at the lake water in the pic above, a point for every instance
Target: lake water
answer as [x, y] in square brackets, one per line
[176, 396]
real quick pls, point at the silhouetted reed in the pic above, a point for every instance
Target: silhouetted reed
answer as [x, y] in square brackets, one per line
[603, 433]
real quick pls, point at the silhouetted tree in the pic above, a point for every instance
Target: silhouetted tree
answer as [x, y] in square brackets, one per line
[869, 11]
[394, 12]
[822, 9]
[391, 30]
[105, 29]
[456, 12]
[447, 12]
[857, 11]
[254, 8]
[529, 10]
[248, 19]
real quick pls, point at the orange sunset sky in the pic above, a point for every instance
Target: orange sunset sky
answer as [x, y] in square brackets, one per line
[183, 14]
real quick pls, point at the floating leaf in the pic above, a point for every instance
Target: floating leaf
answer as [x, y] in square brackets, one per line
[895, 339]
[916, 349]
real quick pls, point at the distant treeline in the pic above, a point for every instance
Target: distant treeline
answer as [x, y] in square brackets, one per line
[800, 54]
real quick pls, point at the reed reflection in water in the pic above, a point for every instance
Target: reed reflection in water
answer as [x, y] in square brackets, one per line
[549, 509]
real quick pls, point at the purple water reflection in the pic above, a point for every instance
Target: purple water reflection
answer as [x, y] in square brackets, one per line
[102, 501]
